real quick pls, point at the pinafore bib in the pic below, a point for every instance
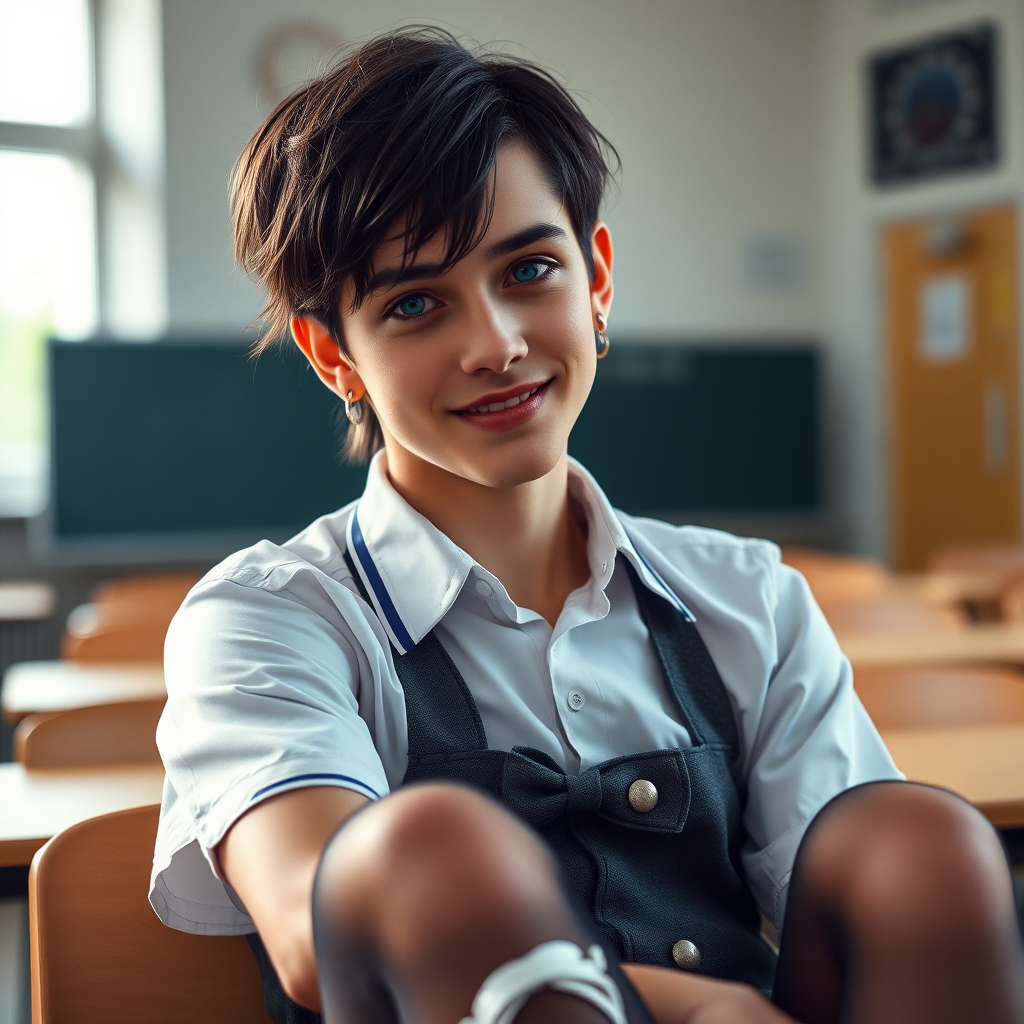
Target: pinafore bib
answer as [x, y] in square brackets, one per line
[652, 878]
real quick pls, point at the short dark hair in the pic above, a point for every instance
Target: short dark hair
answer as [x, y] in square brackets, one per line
[409, 126]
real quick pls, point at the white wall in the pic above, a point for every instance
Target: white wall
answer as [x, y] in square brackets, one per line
[133, 302]
[712, 104]
[854, 212]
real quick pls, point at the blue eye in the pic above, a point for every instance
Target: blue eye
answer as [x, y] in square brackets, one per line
[412, 306]
[528, 271]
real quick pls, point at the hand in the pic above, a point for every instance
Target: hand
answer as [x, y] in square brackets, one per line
[673, 997]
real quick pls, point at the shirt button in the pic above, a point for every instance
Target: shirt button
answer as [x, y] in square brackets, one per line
[686, 955]
[576, 699]
[643, 796]
[483, 588]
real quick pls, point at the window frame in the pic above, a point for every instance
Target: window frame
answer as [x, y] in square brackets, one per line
[85, 145]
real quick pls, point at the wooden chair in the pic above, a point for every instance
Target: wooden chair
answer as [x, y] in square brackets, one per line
[126, 619]
[1000, 570]
[1011, 599]
[891, 613]
[101, 956]
[90, 737]
[937, 697]
[994, 557]
[836, 579]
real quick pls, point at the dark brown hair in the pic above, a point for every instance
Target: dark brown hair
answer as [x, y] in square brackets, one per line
[409, 127]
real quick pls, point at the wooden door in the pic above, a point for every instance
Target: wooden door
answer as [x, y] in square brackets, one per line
[950, 311]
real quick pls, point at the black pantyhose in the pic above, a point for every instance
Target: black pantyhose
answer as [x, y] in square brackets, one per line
[420, 897]
[900, 910]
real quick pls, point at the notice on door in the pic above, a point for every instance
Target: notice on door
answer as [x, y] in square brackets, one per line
[945, 319]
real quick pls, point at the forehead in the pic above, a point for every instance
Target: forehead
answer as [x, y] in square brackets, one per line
[523, 196]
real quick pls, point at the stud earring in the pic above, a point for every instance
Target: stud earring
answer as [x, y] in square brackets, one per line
[600, 338]
[353, 409]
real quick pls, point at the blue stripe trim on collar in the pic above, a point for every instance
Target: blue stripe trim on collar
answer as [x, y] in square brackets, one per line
[665, 587]
[310, 776]
[387, 606]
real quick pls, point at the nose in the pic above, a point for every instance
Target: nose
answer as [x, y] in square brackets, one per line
[494, 341]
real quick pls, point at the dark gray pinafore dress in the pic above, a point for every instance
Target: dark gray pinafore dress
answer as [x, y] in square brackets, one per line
[649, 878]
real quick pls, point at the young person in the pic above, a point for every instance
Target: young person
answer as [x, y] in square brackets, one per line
[604, 738]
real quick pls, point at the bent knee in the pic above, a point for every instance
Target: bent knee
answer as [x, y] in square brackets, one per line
[426, 839]
[913, 816]
[900, 842]
[421, 866]
[421, 821]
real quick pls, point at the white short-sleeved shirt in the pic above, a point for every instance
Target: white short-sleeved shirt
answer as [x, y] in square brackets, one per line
[279, 676]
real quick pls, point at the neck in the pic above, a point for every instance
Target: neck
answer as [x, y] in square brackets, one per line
[526, 535]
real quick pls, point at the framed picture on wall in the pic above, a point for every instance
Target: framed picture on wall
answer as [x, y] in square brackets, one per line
[933, 107]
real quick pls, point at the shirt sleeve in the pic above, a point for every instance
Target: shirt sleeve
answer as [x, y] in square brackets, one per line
[263, 697]
[813, 740]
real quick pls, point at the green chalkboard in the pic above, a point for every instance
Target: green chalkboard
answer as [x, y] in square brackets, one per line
[673, 429]
[183, 449]
[190, 437]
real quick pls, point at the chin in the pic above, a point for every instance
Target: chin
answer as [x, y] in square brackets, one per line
[513, 468]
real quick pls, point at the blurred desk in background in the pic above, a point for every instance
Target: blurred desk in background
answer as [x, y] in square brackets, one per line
[26, 602]
[983, 763]
[62, 685]
[26, 608]
[947, 588]
[36, 805]
[987, 642]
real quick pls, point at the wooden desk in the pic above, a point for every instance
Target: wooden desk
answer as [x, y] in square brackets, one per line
[26, 602]
[987, 642]
[984, 764]
[61, 685]
[35, 806]
[945, 588]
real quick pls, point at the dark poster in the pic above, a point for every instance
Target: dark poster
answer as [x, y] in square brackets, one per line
[933, 107]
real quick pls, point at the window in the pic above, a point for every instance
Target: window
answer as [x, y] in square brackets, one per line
[48, 275]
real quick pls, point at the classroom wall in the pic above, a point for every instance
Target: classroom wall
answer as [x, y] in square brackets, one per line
[744, 209]
[854, 211]
[712, 104]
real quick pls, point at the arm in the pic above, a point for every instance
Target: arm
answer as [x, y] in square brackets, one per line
[262, 694]
[813, 740]
[269, 857]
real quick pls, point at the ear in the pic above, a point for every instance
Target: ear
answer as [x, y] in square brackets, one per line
[601, 288]
[332, 366]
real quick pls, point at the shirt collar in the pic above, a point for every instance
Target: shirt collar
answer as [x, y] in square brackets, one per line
[586, 490]
[413, 572]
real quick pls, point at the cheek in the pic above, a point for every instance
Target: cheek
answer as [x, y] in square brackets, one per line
[571, 330]
[402, 383]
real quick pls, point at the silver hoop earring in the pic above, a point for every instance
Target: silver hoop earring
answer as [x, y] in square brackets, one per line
[600, 338]
[353, 409]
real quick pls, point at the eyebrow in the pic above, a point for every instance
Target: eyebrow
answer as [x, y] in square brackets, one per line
[390, 276]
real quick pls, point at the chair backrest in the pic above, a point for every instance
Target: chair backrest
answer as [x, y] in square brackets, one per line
[993, 557]
[1011, 599]
[837, 578]
[934, 697]
[108, 734]
[159, 590]
[126, 618]
[101, 956]
[891, 613]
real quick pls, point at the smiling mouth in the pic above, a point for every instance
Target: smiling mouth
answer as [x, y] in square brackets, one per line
[476, 410]
[501, 406]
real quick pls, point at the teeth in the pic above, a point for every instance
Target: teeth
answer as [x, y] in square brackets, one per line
[498, 406]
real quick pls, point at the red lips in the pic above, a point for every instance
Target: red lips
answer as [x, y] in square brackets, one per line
[505, 418]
